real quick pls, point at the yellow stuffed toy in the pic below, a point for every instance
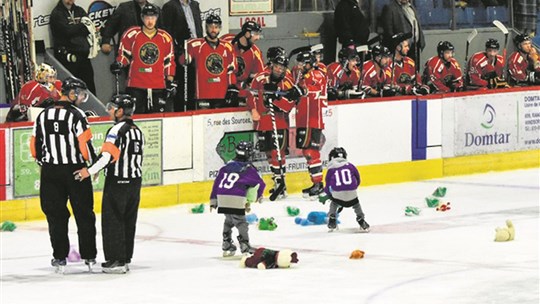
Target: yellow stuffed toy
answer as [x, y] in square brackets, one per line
[504, 234]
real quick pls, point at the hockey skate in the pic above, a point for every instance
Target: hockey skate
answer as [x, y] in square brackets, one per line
[229, 249]
[364, 226]
[280, 189]
[59, 265]
[245, 247]
[118, 267]
[332, 223]
[90, 263]
[313, 191]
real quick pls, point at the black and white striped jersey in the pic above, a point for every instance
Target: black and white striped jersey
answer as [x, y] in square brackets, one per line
[62, 136]
[122, 151]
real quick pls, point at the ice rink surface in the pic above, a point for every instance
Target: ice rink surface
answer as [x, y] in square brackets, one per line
[437, 257]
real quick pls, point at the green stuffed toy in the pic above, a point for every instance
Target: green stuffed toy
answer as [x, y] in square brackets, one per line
[267, 224]
[410, 211]
[292, 211]
[8, 226]
[198, 209]
[439, 192]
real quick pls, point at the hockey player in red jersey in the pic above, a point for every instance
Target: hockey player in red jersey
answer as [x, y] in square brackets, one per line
[485, 69]
[272, 53]
[149, 53]
[522, 68]
[376, 73]
[344, 76]
[442, 73]
[215, 67]
[269, 109]
[309, 119]
[248, 56]
[403, 68]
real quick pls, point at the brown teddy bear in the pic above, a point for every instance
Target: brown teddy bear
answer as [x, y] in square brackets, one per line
[264, 258]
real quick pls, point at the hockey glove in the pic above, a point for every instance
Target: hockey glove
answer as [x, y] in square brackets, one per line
[420, 90]
[388, 91]
[353, 94]
[332, 94]
[324, 198]
[490, 75]
[116, 68]
[171, 86]
[534, 77]
[231, 97]
[295, 93]
[270, 94]
[497, 83]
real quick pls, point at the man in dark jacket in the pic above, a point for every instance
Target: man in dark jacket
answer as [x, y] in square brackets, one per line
[182, 19]
[71, 46]
[400, 16]
[352, 26]
[126, 15]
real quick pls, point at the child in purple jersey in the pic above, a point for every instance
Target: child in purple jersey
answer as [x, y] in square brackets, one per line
[229, 197]
[342, 180]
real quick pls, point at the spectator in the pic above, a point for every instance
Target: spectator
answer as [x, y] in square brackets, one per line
[400, 16]
[525, 15]
[149, 53]
[442, 73]
[71, 46]
[344, 76]
[485, 69]
[405, 77]
[182, 19]
[352, 26]
[523, 69]
[376, 73]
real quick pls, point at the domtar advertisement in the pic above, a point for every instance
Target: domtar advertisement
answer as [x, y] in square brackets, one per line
[486, 125]
[529, 117]
[99, 11]
[223, 131]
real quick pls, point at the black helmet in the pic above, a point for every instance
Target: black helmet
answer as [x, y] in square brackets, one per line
[73, 83]
[275, 51]
[346, 54]
[492, 44]
[398, 38]
[520, 38]
[280, 59]
[444, 46]
[306, 57]
[337, 152]
[122, 101]
[380, 50]
[244, 151]
[149, 10]
[213, 19]
[251, 26]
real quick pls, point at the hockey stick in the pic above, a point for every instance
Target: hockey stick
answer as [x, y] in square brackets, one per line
[362, 49]
[469, 40]
[281, 187]
[185, 78]
[503, 29]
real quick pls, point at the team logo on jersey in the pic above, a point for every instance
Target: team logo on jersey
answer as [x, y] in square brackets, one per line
[149, 53]
[241, 66]
[214, 64]
[404, 78]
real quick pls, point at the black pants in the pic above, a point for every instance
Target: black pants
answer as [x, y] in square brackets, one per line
[119, 217]
[79, 65]
[159, 102]
[57, 185]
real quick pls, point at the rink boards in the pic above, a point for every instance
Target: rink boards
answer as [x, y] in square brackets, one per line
[391, 140]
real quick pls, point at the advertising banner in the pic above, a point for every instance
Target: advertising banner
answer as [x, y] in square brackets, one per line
[485, 125]
[222, 132]
[529, 120]
[26, 171]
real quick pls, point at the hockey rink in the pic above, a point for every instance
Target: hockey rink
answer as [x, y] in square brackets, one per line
[436, 257]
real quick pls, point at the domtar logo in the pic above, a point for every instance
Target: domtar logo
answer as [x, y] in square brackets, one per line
[489, 116]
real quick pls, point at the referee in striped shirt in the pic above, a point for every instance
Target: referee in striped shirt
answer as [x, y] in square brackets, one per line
[121, 157]
[61, 143]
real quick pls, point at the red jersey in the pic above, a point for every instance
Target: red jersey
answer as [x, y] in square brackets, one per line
[371, 79]
[256, 101]
[404, 74]
[33, 93]
[248, 62]
[309, 108]
[215, 64]
[441, 76]
[519, 68]
[340, 79]
[297, 70]
[151, 59]
[479, 66]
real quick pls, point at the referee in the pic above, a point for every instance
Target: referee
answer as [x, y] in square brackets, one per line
[61, 143]
[121, 157]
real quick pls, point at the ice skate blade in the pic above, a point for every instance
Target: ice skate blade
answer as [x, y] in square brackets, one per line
[361, 230]
[333, 229]
[115, 270]
[60, 269]
[228, 253]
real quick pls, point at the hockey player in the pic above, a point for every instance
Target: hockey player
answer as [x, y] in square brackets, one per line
[215, 67]
[344, 76]
[121, 156]
[272, 53]
[442, 73]
[523, 70]
[376, 73]
[485, 69]
[229, 197]
[309, 120]
[342, 180]
[150, 55]
[269, 107]
[403, 68]
[248, 55]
